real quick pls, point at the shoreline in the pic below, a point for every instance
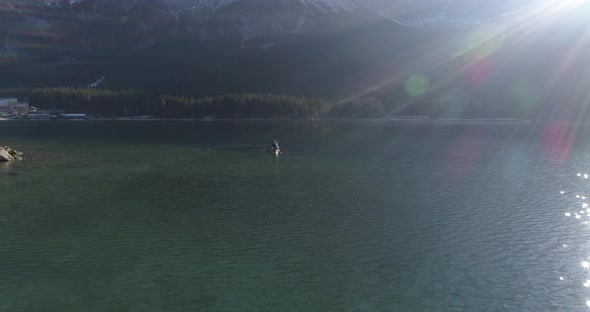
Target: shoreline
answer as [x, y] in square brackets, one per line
[385, 119]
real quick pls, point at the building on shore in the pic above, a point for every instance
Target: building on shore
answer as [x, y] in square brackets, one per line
[36, 113]
[11, 106]
[7, 102]
[408, 118]
[73, 116]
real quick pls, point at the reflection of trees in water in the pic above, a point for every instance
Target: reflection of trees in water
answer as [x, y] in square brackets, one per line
[338, 136]
[313, 129]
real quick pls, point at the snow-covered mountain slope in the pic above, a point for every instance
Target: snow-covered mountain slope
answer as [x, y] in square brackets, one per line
[88, 25]
[317, 47]
[410, 13]
[246, 20]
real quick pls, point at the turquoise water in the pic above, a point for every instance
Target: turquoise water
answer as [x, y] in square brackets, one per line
[353, 216]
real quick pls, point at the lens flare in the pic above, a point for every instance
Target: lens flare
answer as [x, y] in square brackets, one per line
[485, 40]
[416, 85]
[526, 95]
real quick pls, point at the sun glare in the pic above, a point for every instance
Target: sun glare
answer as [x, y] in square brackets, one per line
[564, 4]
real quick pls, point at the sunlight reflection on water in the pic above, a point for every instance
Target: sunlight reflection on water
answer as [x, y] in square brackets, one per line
[585, 212]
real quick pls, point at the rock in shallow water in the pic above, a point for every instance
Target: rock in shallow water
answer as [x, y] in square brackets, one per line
[8, 154]
[4, 156]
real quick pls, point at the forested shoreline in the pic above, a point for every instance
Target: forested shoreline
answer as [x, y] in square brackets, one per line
[127, 103]
[110, 103]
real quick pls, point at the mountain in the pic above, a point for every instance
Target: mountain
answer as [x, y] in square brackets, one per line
[327, 48]
[215, 45]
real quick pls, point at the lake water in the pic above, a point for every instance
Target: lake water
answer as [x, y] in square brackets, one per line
[353, 216]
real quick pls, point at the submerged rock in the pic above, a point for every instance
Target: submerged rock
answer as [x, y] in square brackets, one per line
[5, 156]
[8, 154]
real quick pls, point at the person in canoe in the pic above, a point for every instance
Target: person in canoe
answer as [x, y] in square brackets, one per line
[275, 147]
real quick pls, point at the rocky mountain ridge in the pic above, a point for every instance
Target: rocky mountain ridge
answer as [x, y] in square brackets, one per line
[296, 47]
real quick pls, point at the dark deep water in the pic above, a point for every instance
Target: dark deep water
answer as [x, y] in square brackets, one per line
[354, 216]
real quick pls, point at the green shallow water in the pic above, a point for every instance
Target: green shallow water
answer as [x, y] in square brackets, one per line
[147, 227]
[179, 216]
